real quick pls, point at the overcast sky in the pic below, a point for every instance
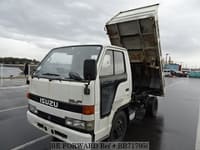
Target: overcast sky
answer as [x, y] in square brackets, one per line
[30, 28]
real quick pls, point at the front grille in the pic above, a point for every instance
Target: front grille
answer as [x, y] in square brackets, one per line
[51, 118]
[61, 105]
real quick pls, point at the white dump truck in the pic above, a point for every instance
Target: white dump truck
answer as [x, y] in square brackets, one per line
[87, 93]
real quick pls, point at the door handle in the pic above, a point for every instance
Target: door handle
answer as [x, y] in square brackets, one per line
[127, 89]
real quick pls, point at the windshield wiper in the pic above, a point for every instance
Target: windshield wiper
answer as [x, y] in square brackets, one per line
[51, 74]
[75, 76]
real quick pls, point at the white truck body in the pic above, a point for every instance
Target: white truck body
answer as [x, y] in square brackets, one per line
[85, 93]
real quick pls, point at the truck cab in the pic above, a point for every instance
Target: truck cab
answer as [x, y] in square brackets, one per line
[76, 91]
[86, 93]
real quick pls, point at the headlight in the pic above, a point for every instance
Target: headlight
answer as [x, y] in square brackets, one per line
[32, 109]
[86, 125]
[89, 125]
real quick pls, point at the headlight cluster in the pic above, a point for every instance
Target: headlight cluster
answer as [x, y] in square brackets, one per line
[80, 124]
[32, 109]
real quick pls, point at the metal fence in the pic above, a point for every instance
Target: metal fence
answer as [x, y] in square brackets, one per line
[13, 74]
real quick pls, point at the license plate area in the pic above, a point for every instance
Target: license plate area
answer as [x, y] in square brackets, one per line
[50, 129]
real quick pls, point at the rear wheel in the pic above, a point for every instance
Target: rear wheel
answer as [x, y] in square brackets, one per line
[119, 127]
[152, 107]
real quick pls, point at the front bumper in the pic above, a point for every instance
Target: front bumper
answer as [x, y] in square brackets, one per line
[60, 132]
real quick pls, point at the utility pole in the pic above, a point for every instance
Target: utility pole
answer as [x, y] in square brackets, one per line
[2, 72]
[166, 57]
[170, 60]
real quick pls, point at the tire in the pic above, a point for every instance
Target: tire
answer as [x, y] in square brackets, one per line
[152, 107]
[119, 127]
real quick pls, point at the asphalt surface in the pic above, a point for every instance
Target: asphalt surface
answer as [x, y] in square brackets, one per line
[12, 82]
[175, 127]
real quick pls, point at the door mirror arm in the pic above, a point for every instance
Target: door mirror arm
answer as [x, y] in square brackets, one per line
[87, 89]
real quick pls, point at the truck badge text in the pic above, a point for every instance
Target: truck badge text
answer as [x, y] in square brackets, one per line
[49, 102]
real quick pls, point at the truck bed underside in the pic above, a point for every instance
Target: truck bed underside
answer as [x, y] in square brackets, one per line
[145, 79]
[141, 39]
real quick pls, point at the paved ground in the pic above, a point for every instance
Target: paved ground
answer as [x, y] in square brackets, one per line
[176, 125]
[175, 128]
[12, 82]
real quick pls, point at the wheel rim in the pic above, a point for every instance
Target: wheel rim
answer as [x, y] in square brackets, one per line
[119, 129]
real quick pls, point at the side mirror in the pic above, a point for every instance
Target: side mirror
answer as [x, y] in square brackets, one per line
[90, 69]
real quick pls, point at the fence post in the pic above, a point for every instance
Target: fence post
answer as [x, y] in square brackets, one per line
[29, 70]
[1, 74]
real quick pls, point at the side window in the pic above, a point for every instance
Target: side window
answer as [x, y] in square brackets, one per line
[107, 65]
[119, 62]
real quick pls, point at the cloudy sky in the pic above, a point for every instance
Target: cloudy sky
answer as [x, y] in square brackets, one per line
[30, 28]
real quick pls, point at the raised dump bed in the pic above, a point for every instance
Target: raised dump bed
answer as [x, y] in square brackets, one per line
[137, 31]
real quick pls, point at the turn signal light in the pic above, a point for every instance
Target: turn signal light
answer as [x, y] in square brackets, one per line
[88, 109]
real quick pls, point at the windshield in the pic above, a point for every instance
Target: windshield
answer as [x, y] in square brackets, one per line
[67, 62]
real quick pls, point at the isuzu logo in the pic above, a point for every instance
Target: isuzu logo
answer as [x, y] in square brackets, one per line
[49, 102]
[73, 101]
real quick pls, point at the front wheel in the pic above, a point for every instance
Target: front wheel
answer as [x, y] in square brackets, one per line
[119, 127]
